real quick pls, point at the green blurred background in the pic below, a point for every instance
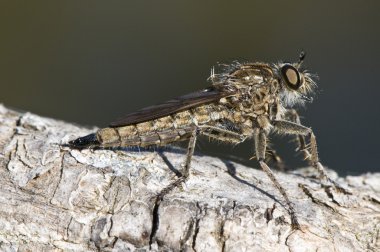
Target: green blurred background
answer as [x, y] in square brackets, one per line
[90, 62]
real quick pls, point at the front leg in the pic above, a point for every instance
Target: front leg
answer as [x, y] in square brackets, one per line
[290, 128]
[292, 116]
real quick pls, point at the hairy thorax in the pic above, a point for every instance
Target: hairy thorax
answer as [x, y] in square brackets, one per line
[254, 107]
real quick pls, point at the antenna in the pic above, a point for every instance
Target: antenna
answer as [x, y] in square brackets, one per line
[301, 58]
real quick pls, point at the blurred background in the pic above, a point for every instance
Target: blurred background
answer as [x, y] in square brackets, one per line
[90, 62]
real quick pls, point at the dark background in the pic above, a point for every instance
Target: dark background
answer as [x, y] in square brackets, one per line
[90, 62]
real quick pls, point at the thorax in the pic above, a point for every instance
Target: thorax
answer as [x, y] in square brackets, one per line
[255, 106]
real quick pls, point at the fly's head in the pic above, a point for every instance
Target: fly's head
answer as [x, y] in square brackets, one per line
[296, 84]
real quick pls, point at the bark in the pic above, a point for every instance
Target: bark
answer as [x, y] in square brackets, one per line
[53, 198]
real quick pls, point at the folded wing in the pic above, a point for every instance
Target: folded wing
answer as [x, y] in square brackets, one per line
[185, 102]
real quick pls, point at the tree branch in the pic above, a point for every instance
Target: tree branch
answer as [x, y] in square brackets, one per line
[54, 198]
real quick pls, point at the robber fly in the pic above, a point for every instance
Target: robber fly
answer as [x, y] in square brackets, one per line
[245, 101]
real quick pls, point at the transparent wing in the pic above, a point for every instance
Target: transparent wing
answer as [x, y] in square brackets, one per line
[178, 104]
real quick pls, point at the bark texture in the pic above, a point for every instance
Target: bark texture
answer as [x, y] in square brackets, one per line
[54, 198]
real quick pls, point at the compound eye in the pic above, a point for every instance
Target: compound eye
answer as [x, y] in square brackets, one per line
[291, 76]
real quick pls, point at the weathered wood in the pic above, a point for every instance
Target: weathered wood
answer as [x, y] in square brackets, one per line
[53, 198]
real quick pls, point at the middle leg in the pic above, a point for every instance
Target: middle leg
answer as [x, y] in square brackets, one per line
[260, 147]
[274, 159]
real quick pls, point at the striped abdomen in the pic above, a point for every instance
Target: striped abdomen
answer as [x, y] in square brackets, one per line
[161, 131]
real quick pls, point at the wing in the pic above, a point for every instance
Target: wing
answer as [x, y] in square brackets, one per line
[178, 104]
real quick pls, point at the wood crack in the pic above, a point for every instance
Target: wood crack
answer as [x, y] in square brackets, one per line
[196, 228]
[155, 220]
[315, 200]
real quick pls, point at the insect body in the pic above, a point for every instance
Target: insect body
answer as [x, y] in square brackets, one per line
[245, 101]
